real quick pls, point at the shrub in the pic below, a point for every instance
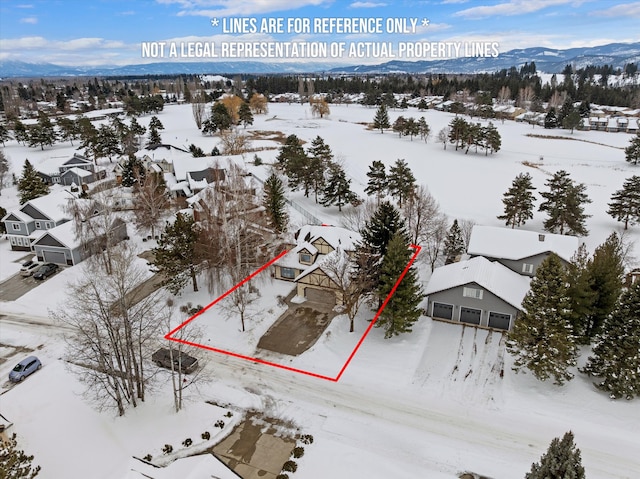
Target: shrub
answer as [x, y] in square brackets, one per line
[147, 458]
[257, 161]
[187, 442]
[229, 414]
[167, 449]
[219, 423]
[298, 452]
[290, 466]
[206, 435]
[306, 439]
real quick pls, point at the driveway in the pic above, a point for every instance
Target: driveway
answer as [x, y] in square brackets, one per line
[16, 286]
[298, 328]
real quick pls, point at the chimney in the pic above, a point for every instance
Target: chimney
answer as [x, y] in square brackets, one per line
[540, 237]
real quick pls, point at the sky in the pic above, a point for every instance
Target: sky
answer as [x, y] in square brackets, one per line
[121, 32]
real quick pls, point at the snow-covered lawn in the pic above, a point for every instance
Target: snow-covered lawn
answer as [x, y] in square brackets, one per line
[432, 403]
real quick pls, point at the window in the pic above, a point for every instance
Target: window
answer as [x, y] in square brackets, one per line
[472, 293]
[288, 273]
[305, 258]
[38, 225]
[527, 268]
[48, 225]
[16, 226]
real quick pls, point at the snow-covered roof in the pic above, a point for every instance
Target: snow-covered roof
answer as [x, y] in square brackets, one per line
[79, 172]
[51, 166]
[53, 205]
[64, 233]
[515, 244]
[491, 275]
[336, 236]
[204, 466]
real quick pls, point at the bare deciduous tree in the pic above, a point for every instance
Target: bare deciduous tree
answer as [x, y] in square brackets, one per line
[97, 227]
[233, 142]
[466, 226]
[525, 96]
[319, 107]
[422, 215]
[443, 136]
[112, 324]
[504, 95]
[199, 109]
[352, 288]
[150, 203]
[354, 217]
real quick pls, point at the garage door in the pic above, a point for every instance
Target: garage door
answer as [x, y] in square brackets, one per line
[442, 311]
[54, 257]
[499, 320]
[320, 296]
[470, 316]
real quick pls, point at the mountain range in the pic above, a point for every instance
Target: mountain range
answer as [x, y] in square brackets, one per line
[547, 60]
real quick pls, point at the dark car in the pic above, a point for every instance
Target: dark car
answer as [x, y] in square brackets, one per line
[24, 368]
[45, 271]
[181, 360]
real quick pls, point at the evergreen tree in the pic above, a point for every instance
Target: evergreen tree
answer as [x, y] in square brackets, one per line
[518, 201]
[42, 133]
[68, 129]
[616, 355]
[295, 164]
[572, 121]
[338, 189]
[377, 183]
[175, 256]
[457, 131]
[424, 129]
[491, 139]
[154, 137]
[606, 272]
[244, 114]
[30, 184]
[402, 309]
[580, 293]
[625, 203]
[320, 159]
[400, 181]
[564, 205]
[551, 121]
[220, 116]
[631, 152]
[4, 134]
[454, 243]
[154, 123]
[108, 142]
[541, 339]
[20, 132]
[399, 125]
[275, 203]
[14, 463]
[384, 223]
[132, 172]
[3, 213]
[561, 461]
[4, 169]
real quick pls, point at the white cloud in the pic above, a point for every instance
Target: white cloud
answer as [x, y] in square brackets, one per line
[445, 2]
[225, 8]
[513, 7]
[629, 10]
[31, 20]
[32, 43]
[367, 5]
[24, 6]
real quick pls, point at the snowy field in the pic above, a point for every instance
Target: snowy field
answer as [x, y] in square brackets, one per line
[434, 403]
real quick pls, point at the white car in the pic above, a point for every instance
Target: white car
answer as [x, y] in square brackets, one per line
[29, 268]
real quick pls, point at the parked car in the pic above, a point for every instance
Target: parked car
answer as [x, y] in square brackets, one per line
[24, 368]
[45, 271]
[30, 268]
[181, 360]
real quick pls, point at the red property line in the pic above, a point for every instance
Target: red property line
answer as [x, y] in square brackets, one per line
[169, 336]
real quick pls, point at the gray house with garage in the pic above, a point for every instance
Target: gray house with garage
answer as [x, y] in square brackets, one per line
[519, 250]
[477, 292]
[62, 246]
